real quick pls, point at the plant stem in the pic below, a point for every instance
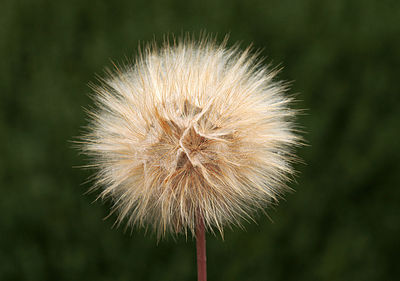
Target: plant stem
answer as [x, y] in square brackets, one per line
[201, 251]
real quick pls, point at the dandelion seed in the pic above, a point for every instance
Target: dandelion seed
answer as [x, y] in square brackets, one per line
[191, 132]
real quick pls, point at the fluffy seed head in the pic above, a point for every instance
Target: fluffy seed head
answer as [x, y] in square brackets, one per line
[191, 130]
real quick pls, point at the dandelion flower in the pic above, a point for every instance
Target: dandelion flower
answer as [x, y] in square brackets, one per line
[192, 131]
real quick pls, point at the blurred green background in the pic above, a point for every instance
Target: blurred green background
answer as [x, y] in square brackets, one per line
[341, 223]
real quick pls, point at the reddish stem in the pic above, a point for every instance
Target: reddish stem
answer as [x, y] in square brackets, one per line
[201, 251]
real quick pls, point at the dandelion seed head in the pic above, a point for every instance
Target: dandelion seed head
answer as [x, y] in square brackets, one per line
[191, 129]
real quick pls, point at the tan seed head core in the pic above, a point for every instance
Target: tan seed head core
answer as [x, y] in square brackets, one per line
[191, 130]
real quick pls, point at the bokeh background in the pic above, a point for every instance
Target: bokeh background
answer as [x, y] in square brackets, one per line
[341, 223]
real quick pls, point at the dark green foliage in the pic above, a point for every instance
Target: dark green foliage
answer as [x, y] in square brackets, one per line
[343, 221]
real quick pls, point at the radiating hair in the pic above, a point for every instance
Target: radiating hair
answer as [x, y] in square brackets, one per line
[191, 130]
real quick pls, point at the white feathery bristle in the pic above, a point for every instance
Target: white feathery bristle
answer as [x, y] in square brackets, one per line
[191, 130]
